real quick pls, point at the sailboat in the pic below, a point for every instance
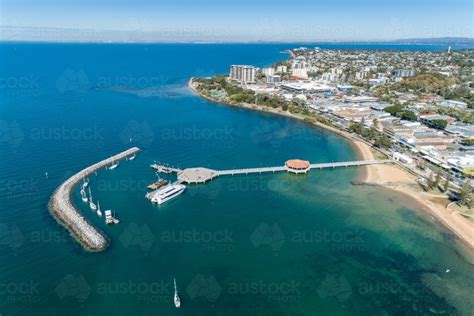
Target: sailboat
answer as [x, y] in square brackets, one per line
[85, 183]
[91, 202]
[113, 165]
[132, 157]
[99, 212]
[83, 195]
[176, 299]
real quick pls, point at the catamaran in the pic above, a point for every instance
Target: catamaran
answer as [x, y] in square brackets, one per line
[166, 193]
[91, 202]
[176, 299]
[99, 212]
[84, 196]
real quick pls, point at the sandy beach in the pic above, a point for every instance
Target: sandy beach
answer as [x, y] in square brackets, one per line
[392, 177]
[396, 178]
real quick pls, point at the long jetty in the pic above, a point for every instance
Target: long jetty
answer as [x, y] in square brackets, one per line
[202, 175]
[63, 209]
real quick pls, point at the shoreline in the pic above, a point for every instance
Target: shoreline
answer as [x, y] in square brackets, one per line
[67, 215]
[392, 177]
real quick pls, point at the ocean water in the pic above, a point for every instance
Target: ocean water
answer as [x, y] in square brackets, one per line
[274, 244]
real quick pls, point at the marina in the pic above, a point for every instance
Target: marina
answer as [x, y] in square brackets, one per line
[63, 209]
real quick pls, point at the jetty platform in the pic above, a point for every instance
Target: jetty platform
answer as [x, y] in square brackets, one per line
[202, 175]
[63, 209]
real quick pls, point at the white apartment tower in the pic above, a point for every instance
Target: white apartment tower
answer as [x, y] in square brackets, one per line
[243, 73]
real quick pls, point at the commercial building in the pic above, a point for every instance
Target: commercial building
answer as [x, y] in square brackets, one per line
[273, 79]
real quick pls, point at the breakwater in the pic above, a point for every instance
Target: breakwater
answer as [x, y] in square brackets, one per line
[64, 211]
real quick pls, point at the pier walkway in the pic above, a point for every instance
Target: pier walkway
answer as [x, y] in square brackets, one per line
[63, 209]
[202, 175]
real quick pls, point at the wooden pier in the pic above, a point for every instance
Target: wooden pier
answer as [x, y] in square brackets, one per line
[202, 175]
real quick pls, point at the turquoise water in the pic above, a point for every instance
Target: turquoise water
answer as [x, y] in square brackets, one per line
[256, 245]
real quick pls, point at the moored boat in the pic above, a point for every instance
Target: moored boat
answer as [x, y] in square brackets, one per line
[99, 212]
[166, 193]
[113, 165]
[157, 184]
[176, 299]
[84, 196]
[91, 202]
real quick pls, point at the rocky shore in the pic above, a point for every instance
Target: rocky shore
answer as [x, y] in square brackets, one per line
[64, 211]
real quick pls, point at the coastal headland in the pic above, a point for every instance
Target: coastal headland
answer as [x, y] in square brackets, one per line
[63, 210]
[393, 177]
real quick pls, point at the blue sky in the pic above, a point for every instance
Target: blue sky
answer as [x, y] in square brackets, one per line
[266, 20]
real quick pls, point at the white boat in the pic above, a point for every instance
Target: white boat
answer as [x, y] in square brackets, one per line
[109, 219]
[99, 212]
[91, 202]
[85, 183]
[176, 299]
[84, 196]
[166, 193]
[132, 157]
[113, 165]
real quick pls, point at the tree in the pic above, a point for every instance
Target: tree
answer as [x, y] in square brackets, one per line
[408, 115]
[431, 181]
[421, 163]
[383, 141]
[437, 179]
[465, 197]
[446, 184]
[439, 124]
